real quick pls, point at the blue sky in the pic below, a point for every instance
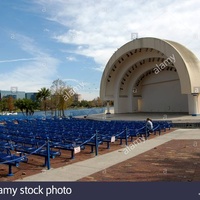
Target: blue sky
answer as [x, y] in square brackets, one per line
[43, 40]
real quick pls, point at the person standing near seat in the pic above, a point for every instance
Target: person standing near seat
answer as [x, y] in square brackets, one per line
[149, 126]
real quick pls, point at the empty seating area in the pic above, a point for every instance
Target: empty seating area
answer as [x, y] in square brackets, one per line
[46, 137]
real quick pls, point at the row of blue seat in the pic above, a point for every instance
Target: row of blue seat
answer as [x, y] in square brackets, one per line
[27, 136]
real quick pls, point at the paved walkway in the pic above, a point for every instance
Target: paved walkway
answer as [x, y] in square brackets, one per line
[85, 168]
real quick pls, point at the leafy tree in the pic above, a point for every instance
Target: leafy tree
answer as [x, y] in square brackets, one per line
[10, 103]
[3, 104]
[85, 103]
[19, 103]
[56, 92]
[26, 106]
[76, 104]
[97, 102]
[30, 106]
[42, 95]
[61, 96]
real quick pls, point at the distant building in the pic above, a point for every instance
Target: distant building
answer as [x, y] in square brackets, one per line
[77, 97]
[17, 94]
[31, 95]
[12, 93]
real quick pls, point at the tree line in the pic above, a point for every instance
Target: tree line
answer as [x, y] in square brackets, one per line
[51, 99]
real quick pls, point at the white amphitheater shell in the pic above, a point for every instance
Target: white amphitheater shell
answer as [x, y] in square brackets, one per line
[152, 75]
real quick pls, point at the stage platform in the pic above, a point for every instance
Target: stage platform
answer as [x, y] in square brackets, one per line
[179, 120]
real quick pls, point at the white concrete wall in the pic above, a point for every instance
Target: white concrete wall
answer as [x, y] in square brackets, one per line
[135, 105]
[193, 104]
[123, 105]
[162, 93]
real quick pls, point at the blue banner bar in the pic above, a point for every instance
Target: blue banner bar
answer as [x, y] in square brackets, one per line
[99, 190]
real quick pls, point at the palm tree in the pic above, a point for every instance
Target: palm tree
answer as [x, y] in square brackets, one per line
[42, 95]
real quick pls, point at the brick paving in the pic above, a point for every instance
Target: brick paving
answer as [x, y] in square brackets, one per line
[176, 160]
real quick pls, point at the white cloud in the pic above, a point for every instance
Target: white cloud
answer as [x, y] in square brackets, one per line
[71, 58]
[99, 28]
[71, 80]
[46, 30]
[34, 73]
[30, 77]
[88, 90]
[75, 82]
[16, 60]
